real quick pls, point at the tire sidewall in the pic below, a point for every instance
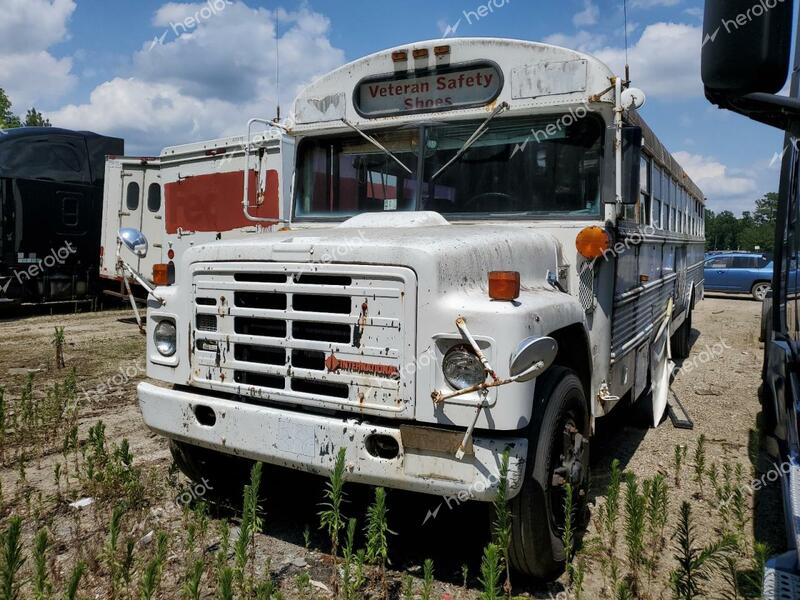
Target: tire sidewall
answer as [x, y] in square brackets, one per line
[540, 554]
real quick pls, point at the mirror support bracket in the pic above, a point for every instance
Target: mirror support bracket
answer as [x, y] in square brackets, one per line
[770, 109]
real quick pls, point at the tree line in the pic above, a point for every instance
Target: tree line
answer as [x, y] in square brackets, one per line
[8, 120]
[752, 231]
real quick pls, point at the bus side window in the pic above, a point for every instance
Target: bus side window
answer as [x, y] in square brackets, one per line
[645, 209]
[656, 184]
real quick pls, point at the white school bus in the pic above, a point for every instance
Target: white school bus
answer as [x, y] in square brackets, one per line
[488, 251]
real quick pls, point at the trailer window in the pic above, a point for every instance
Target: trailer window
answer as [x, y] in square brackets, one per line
[132, 196]
[154, 197]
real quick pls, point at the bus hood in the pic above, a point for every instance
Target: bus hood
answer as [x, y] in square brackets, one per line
[444, 256]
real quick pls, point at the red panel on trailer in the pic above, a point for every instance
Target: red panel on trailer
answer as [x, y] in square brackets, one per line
[213, 202]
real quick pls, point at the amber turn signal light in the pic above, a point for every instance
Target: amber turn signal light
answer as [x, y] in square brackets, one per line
[161, 274]
[593, 242]
[504, 285]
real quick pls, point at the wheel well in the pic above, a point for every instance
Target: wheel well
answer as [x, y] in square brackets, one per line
[574, 353]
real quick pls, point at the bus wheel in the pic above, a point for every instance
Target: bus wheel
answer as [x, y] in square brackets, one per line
[760, 290]
[680, 339]
[215, 476]
[558, 454]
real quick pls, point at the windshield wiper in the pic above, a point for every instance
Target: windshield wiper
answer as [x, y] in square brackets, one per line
[483, 128]
[377, 144]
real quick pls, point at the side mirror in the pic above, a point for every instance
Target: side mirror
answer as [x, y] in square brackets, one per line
[532, 357]
[134, 241]
[746, 46]
[631, 161]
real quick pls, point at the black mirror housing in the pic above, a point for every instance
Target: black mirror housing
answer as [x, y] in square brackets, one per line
[746, 46]
[631, 161]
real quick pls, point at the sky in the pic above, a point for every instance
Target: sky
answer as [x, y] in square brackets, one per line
[134, 69]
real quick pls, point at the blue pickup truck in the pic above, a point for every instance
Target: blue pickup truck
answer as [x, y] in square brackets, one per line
[739, 273]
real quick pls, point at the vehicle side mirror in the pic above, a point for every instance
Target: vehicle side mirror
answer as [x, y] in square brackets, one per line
[134, 240]
[631, 161]
[532, 357]
[746, 46]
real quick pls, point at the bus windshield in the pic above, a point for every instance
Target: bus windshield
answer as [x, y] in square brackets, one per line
[518, 167]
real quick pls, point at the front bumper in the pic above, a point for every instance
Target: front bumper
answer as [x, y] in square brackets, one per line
[310, 442]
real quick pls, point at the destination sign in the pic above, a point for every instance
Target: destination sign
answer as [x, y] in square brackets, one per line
[433, 92]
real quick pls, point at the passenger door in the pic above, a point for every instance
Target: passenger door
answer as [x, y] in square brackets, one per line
[744, 273]
[717, 274]
[130, 204]
[152, 221]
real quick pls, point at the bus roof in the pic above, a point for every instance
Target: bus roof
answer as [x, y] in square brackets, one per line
[534, 76]
[539, 75]
[663, 157]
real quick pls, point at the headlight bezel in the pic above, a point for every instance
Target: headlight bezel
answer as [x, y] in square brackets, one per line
[166, 343]
[471, 370]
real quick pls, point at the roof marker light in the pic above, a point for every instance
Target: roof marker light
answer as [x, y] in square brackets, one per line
[441, 50]
[400, 56]
[421, 53]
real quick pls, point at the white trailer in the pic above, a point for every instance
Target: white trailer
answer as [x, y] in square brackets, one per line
[482, 257]
[191, 194]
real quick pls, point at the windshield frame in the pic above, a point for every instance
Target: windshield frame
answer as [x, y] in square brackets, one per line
[419, 167]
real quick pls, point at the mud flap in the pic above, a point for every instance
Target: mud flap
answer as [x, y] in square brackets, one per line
[661, 367]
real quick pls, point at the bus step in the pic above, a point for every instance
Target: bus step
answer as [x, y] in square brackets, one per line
[678, 414]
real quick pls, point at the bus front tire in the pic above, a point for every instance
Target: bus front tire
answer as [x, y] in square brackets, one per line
[558, 454]
[222, 476]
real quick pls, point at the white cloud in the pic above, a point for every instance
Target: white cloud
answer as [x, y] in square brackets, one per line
[28, 72]
[203, 81]
[653, 3]
[583, 41]
[30, 25]
[696, 12]
[714, 178]
[664, 62]
[588, 16]
[34, 77]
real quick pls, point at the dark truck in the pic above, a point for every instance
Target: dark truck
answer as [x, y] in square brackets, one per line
[51, 205]
[747, 59]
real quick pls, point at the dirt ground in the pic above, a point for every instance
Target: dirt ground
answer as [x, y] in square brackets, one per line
[718, 386]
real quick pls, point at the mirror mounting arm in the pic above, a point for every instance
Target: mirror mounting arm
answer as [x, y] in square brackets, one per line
[770, 109]
[141, 281]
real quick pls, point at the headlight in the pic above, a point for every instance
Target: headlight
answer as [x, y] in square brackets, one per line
[164, 337]
[462, 369]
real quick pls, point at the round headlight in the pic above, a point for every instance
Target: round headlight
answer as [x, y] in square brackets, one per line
[462, 369]
[164, 337]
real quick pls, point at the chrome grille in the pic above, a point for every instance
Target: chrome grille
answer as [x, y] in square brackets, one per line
[321, 335]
